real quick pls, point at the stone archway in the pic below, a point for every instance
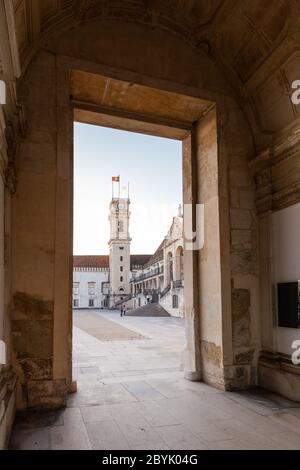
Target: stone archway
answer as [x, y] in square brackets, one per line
[68, 87]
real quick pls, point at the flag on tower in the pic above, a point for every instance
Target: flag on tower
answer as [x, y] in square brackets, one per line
[115, 178]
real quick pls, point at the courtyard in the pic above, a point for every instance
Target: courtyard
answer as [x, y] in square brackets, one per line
[131, 394]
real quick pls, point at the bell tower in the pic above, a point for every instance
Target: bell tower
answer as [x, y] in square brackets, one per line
[119, 249]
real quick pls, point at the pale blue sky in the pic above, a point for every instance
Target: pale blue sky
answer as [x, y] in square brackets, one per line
[152, 166]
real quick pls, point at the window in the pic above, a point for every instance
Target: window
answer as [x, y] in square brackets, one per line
[75, 288]
[121, 278]
[120, 226]
[75, 303]
[91, 288]
[175, 301]
[121, 258]
[121, 247]
[91, 302]
[121, 268]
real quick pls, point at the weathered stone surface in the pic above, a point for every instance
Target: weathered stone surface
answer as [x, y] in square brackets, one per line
[36, 369]
[241, 240]
[237, 377]
[29, 307]
[241, 317]
[241, 219]
[244, 262]
[211, 354]
[7, 403]
[247, 199]
[48, 394]
[243, 356]
[32, 338]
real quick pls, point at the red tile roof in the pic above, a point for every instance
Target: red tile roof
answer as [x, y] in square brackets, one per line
[102, 261]
[139, 260]
[91, 261]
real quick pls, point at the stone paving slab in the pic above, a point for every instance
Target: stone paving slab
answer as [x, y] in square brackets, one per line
[132, 395]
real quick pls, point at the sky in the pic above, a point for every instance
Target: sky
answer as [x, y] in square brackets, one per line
[153, 168]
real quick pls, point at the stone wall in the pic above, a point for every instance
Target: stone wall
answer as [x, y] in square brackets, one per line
[277, 176]
[84, 277]
[167, 302]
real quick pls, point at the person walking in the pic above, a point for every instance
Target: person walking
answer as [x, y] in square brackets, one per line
[121, 311]
[124, 310]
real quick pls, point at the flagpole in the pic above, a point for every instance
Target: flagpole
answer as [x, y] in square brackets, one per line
[119, 186]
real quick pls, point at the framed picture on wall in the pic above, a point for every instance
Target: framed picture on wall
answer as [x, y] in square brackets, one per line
[288, 304]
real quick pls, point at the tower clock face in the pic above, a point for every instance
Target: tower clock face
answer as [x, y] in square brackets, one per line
[120, 205]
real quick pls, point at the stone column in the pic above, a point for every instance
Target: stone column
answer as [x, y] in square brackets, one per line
[192, 356]
[41, 240]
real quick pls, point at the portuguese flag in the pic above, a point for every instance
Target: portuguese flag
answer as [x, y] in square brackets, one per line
[115, 178]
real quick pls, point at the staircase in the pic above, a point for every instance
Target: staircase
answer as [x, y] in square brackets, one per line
[149, 310]
[165, 291]
[120, 302]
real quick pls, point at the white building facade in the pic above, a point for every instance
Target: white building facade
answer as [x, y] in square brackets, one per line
[161, 278]
[90, 281]
[108, 281]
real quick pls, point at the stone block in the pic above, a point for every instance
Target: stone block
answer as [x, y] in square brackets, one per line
[241, 240]
[47, 394]
[32, 338]
[210, 353]
[247, 200]
[36, 369]
[244, 262]
[237, 377]
[240, 300]
[31, 307]
[241, 219]
[243, 356]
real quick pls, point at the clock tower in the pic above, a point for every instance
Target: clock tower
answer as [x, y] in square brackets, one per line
[119, 249]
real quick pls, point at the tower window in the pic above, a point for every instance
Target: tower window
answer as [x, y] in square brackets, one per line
[91, 302]
[121, 268]
[121, 258]
[121, 247]
[121, 278]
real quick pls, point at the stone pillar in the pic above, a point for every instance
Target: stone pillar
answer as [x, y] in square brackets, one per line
[41, 240]
[192, 357]
[220, 279]
[63, 261]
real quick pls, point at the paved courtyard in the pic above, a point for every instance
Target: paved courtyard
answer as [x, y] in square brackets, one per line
[132, 395]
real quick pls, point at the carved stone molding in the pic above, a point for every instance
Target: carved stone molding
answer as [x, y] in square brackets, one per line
[278, 361]
[277, 174]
